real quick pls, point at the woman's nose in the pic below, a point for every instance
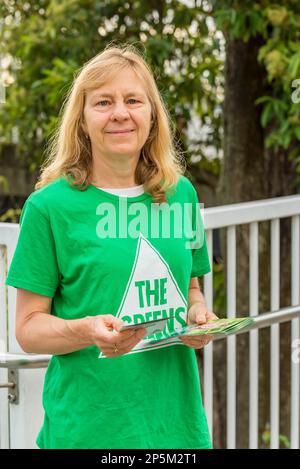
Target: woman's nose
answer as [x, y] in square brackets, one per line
[119, 111]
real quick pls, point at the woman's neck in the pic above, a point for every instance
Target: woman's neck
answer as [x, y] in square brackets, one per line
[108, 177]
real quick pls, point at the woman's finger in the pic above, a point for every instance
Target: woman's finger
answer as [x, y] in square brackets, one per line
[197, 342]
[124, 346]
[133, 339]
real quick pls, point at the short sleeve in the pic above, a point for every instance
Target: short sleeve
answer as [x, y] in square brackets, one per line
[201, 263]
[34, 264]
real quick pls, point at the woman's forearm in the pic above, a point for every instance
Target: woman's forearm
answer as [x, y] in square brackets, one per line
[45, 333]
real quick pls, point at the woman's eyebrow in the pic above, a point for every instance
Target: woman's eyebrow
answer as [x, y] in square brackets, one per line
[105, 94]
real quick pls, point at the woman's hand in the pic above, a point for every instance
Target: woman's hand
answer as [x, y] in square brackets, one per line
[111, 342]
[198, 314]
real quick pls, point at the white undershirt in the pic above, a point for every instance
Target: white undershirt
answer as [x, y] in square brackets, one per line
[125, 191]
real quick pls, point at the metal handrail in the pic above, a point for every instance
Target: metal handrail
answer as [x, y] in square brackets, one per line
[23, 360]
[19, 360]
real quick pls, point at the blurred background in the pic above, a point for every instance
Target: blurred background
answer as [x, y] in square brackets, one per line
[229, 73]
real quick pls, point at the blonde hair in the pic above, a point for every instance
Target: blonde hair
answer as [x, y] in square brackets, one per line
[69, 150]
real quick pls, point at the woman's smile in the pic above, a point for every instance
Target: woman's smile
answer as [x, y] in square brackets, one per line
[121, 132]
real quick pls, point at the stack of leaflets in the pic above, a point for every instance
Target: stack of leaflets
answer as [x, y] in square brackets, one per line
[224, 326]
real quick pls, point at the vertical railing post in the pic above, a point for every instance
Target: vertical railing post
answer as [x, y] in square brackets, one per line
[4, 407]
[208, 350]
[295, 332]
[231, 341]
[275, 344]
[253, 355]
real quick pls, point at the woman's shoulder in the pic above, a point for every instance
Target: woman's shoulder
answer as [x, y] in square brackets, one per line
[184, 187]
[50, 195]
[186, 182]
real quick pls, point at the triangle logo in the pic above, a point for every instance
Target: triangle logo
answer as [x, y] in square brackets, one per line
[152, 293]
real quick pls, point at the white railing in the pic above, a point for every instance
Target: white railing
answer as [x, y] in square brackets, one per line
[228, 217]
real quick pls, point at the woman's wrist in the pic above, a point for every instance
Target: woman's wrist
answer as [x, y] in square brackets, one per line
[83, 329]
[201, 302]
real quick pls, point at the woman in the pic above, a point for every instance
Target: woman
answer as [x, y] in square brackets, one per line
[84, 267]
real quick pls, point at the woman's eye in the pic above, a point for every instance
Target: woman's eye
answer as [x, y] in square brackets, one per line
[101, 102]
[104, 102]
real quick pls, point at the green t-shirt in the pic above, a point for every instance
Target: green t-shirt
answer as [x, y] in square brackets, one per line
[73, 247]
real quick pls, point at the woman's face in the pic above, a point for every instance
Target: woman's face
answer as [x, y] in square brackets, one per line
[117, 116]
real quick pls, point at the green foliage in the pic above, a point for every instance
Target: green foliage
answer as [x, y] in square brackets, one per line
[240, 20]
[278, 25]
[49, 40]
[284, 442]
[4, 184]
[11, 215]
[219, 290]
